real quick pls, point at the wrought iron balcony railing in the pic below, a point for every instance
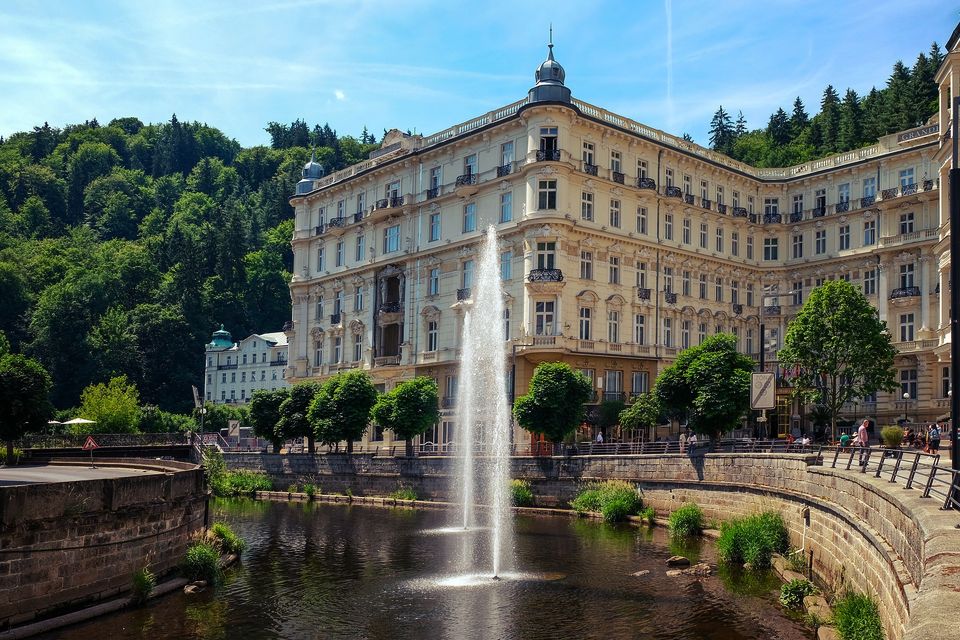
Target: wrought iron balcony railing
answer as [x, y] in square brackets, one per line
[463, 294]
[279, 362]
[590, 168]
[887, 194]
[842, 206]
[643, 293]
[796, 216]
[688, 198]
[549, 155]
[465, 179]
[545, 275]
[908, 190]
[673, 192]
[866, 201]
[433, 193]
[819, 212]
[772, 217]
[358, 216]
[391, 307]
[771, 310]
[722, 208]
[904, 292]
[739, 212]
[337, 222]
[504, 170]
[319, 229]
[396, 201]
[231, 365]
[617, 177]
[927, 185]
[646, 183]
[705, 203]
[335, 318]
[383, 203]
[670, 297]
[737, 308]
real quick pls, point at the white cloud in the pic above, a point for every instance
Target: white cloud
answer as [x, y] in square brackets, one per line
[339, 95]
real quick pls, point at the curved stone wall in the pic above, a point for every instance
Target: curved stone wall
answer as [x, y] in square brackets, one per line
[66, 544]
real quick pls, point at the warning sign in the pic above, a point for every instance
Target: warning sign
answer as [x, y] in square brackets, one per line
[90, 444]
[763, 391]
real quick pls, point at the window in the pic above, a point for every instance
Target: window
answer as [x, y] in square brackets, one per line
[546, 254]
[668, 177]
[320, 259]
[338, 302]
[361, 248]
[358, 298]
[244, 358]
[685, 334]
[434, 232]
[588, 153]
[703, 286]
[736, 199]
[391, 239]
[770, 248]
[686, 283]
[435, 178]
[685, 233]
[906, 177]
[506, 323]
[749, 345]
[586, 265]
[614, 270]
[433, 282]
[613, 385]
[468, 267]
[734, 292]
[701, 332]
[735, 243]
[719, 244]
[357, 347]
[506, 153]
[233, 377]
[843, 237]
[337, 348]
[543, 317]
[906, 327]
[393, 190]
[506, 206]
[820, 242]
[615, 214]
[548, 141]
[470, 164]
[771, 206]
[749, 247]
[586, 206]
[687, 188]
[797, 293]
[640, 382]
[719, 195]
[798, 203]
[615, 161]
[869, 232]
[668, 279]
[585, 313]
[869, 187]
[506, 265]
[340, 253]
[908, 383]
[703, 235]
[906, 276]
[718, 289]
[843, 193]
[797, 245]
[704, 190]
[750, 205]
[870, 282]
[667, 332]
[820, 199]
[642, 274]
[639, 324]
[340, 209]
[243, 394]
[547, 194]
[469, 217]
[641, 169]
[613, 326]
[317, 355]
[642, 220]
[945, 382]
[906, 222]
[450, 387]
[668, 226]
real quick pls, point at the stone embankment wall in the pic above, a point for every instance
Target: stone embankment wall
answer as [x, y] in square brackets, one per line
[63, 545]
[864, 532]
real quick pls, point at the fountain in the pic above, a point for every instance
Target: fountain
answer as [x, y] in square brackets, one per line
[484, 422]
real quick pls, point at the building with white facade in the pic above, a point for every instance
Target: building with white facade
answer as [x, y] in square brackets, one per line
[234, 370]
[620, 246]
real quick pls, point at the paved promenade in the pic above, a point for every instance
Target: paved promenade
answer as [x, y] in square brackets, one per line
[38, 474]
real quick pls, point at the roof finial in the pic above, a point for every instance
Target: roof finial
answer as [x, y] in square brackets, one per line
[550, 44]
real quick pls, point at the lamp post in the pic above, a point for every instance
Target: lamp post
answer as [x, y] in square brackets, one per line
[906, 401]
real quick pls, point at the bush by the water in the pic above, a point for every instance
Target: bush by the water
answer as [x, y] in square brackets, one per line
[892, 437]
[521, 493]
[856, 617]
[793, 593]
[17, 455]
[615, 499]
[143, 583]
[229, 541]
[797, 559]
[240, 483]
[404, 493]
[202, 562]
[686, 521]
[648, 514]
[310, 490]
[753, 539]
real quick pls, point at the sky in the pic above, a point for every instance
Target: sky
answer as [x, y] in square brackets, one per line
[425, 66]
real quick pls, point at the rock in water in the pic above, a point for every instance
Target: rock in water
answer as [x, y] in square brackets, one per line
[678, 561]
[641, 573]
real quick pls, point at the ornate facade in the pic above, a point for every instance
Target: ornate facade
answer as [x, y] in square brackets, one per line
[621, 245]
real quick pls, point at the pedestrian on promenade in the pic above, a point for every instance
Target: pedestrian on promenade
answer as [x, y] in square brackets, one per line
[844, 441]
[863, 438]
[599, 437]
[692, 443]
[933, 439]
[683, 442]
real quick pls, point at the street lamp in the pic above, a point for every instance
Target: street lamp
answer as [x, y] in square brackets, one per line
[906, 400]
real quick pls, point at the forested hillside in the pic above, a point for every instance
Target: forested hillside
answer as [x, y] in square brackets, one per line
[908, 100]
[122, 247]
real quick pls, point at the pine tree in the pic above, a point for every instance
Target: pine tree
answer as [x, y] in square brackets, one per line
[923, 90]
[799, 120]
[850, 133]
[872, 107]
[897, 107]
[778, 128]
[829, 117]
[721, 131]
[740, 128]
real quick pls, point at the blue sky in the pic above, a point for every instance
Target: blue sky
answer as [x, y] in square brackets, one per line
[428, 65]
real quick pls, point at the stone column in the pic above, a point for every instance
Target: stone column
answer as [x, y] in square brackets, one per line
[925, 295]
[883, 289]
[944, 279]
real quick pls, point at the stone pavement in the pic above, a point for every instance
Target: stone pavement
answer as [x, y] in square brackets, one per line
[37, 474]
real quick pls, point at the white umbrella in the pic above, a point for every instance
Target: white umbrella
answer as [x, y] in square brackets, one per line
[80, 421]
[54, 422]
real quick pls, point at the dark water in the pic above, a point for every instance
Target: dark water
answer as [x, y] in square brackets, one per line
[332, 571]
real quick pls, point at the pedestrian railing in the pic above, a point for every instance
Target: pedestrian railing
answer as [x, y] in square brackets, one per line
[67, 440]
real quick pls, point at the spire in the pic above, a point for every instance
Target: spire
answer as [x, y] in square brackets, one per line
[549, 78]
[550, 44]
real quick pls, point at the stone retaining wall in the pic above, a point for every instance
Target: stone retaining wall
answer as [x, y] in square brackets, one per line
[63, 545]
[865, 533]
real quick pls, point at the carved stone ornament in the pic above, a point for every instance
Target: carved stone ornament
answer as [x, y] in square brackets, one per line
[617, 191]
[869, 215]
[316, 333]
[589, 183]
[337, 284]
[843, 219]
[430, 313]
[504, 185]
[356, 327]
[547, 171]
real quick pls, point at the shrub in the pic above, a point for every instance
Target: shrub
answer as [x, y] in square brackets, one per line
[292, 488]
[753, 539]
[892, 437]
[143, 583]
[798, 560]
[521, 493]
[615, 499]
[856, 617]
[686, 521]
[17, 454]
[239, 483]
[648, 514]
[310, 490]
[202, 562]
[793, 593]
[229, 541]
[404, 493]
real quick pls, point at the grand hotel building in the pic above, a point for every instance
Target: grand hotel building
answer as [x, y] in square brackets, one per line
[620, 246]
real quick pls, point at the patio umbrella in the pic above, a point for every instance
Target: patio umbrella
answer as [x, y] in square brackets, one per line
[80, 421]
[54, 422]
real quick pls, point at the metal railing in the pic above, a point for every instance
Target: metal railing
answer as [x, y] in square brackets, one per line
[68, 440]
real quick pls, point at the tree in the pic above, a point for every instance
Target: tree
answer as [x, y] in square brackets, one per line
[24, 398]
[798, 119]
[850, 132]
[829, 118]
[709, 385]
[341, 409]
[840, 348]
[721, 131]
[293, 422]
[553, 405]
[265, 415]
[740, 127]
[778, 128]
[114, 406]
[643, 414]
[409, 409]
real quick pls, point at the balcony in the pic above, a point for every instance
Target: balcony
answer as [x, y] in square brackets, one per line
[391, 307]
[772, 310]
[231, 365]
[433, 193]
[722, 208]
[908, 190]
[386, 361]
[643, 293]
[335, 318]
[772, 217]
[688, 198]
[545, 275]
[796, 216]
[646, 183]
[548, 155]
[819, 212]
[670, 297]
[504, 170]
[673, 192]
[396, 201]
[842, 207]
[867, 201]
[466, 179]
[887, 194]
[739, 212]
[905, 292]
[617, 177]
[706, 203]
[463, 294]
[927, 185]
[337, 223]
[737, 308]
[358, 216]
[448, 402]
[614, 396]
[279, 362]
[318, 230]
[383, 203]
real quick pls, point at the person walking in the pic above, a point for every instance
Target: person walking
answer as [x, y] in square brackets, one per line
[683, 442]
[692, 443]
[863, 439]
[599, 437]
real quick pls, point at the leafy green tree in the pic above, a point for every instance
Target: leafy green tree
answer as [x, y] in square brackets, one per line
[24, 398]
[798, 119]
[153, 419]
[409, 409]
[341, 409]
[643, 414]
[553, 405]
[829, 118]
[778, 128]
[114, 406]
[850, 132]
[721, 131]
[840, 347]
[294, 421]
[608, 414]
[709, 385]
[265, 415]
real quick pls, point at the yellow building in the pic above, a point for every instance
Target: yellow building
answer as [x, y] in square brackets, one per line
[621, 245]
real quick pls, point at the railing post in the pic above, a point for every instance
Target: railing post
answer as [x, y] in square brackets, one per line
[880, 465]
[864, 460]
[836, 455]
[913, 471]
[926, 489]
[896, 467]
